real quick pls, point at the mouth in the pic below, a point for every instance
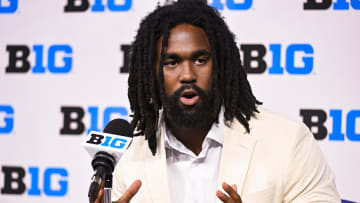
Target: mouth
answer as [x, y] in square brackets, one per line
[189, 97]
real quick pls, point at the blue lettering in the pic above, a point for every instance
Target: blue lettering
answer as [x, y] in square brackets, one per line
[39, 52]
[351, 125]
[336, 134]
[124, 7]
[66, 59]
[8, 119]
[11, 8]
[34, 189]
[118, 143]
[341, 5]
[93, 110]
[49, 172]
[122, 111]
[355, 4]
[98, 6]
[231, 5]
[217, 4]
[239, 6]
[107, 116]
[276, 64]
[107, 141]
[290, 59]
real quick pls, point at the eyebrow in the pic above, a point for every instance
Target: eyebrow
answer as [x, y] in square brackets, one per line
[196, 54]
[199, 53]
[172, 56]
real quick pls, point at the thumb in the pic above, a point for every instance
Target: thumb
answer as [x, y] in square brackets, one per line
[130, 192]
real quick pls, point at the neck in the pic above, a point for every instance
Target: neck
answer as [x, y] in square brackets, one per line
[192, 138]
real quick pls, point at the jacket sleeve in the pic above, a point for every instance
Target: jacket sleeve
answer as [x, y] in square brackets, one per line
[309, 178]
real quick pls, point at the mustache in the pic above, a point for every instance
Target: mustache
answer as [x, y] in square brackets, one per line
[201, 93]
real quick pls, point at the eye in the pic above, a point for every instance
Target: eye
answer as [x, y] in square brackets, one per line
[200, 61]
[170, 64]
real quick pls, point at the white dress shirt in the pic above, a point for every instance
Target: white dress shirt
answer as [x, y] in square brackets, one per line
[193, 178]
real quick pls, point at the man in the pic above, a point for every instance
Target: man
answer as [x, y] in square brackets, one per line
[203, 136]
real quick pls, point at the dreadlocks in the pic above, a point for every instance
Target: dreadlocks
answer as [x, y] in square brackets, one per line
[231, 88]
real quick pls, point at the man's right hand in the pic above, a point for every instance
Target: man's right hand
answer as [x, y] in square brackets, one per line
[125, 198]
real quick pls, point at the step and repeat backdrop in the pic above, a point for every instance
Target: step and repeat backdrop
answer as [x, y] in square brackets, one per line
[64, 70]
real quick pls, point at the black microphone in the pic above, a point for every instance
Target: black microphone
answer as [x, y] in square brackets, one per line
[107, 148]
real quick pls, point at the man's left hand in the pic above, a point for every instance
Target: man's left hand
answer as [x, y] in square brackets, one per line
[232, 195]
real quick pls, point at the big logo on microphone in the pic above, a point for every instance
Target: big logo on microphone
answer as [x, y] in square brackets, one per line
[112, 144]
[107, 140]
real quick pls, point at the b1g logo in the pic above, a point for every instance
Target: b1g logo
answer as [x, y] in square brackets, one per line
[232, 4]
[73, 116]
[326, 4]
[14, 181]
[315, 120]
[254, 62]
[108, 140]
[8, 6]
[19, 59]
[98, 6]
[6, 119]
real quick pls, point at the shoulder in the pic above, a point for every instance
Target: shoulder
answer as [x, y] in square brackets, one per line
[269, 125]
[266, 118]
[275, 134]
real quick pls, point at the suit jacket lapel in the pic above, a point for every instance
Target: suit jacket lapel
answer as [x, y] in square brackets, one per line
[236, 156]
[156, 172]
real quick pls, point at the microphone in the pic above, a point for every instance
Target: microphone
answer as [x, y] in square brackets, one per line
[106, 148]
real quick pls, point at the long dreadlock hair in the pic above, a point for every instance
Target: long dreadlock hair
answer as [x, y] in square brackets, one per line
[231, 88]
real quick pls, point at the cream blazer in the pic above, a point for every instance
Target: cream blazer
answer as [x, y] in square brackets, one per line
[278, 161]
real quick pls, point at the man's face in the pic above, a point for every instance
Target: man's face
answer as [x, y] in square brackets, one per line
[187, 69]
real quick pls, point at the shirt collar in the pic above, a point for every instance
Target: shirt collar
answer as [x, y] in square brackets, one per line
[216, 133]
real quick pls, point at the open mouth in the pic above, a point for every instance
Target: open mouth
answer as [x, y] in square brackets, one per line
[189, 97]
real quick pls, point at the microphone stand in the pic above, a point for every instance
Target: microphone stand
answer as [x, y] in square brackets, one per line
[107, 187]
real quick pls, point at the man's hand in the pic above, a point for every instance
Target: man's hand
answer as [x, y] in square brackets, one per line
[125, 198]
[232, 197]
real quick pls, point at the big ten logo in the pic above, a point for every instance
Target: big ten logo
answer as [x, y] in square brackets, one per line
[73, 116]
[55, 181]
[97, 6]
[299, 59]
[59, 59]
[326, 4]
[315, 119]
[6, 119]
[231, 4]
[106, 140]
[8, 6]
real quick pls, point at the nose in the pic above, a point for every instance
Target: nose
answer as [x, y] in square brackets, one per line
[187, 73]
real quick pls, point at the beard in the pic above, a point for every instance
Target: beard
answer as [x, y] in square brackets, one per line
[194, 116]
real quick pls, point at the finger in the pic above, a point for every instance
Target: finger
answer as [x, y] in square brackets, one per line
[130, 192]
[100, 196]
[232, 192]
[234, 187]
[223, 197]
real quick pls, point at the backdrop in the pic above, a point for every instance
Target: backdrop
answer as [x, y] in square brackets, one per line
[63, 71]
